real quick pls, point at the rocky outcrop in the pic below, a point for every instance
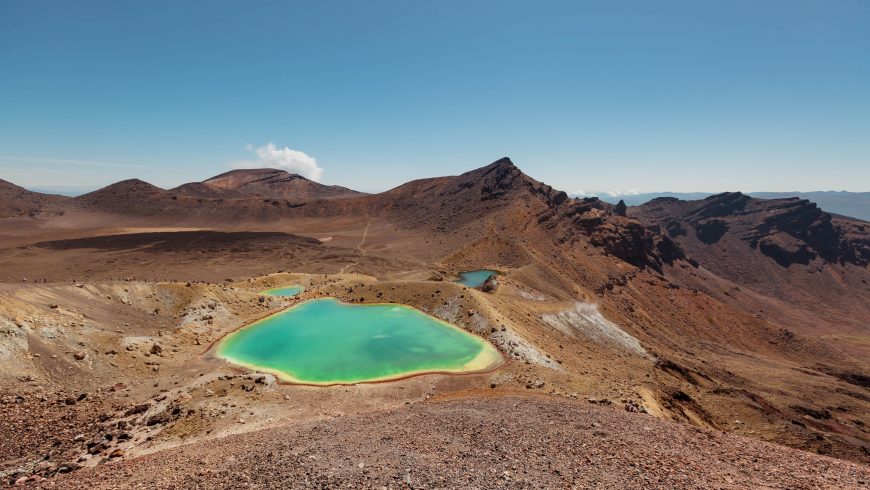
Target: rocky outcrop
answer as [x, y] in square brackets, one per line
[789, 231]
[711, 231]
[626, 240]
[725, 204]
[496, 179]
[797, 231]
[620, 208]
[608, 227]
[490, 285]
[786, 249]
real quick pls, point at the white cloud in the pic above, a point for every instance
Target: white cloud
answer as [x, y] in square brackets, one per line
[620, 192]
[293, 161]
[583, 194]
[611, 193]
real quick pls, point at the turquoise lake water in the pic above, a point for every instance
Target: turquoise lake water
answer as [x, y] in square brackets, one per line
[324, 341]
[475, 279]
[284, 291]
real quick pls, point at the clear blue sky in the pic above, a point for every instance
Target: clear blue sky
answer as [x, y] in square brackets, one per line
[648, 96]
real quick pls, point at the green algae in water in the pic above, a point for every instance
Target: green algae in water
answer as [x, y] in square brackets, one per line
[324, 341]
[287, 291]
[475, 279]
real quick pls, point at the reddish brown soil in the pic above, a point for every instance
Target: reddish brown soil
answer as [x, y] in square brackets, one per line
[501, 442]
[751, 316]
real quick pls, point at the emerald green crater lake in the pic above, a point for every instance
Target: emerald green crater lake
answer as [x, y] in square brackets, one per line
[325, 341]
[284, 291]
[475, 279]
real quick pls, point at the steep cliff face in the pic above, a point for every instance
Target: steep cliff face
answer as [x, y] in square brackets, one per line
[605, 225]
[788, 231]
[797, 231]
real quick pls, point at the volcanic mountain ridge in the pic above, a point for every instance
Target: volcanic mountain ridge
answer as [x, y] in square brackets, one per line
[727, 331]
[273, 184]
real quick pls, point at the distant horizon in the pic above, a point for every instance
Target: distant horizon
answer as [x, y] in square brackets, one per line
[847, 203]
[73, 191]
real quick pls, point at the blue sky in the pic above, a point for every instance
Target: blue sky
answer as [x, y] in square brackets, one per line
[586, 96]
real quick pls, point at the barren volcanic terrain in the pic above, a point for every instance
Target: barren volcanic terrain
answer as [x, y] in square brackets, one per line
[717, 343]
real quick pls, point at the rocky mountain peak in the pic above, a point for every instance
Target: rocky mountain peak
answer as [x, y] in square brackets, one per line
[129, 186]
[503, 162]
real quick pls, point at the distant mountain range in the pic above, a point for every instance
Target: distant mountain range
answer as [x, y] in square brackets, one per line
[851, 204]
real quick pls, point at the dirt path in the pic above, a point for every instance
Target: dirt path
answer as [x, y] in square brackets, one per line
[365, 234]
[359, 248]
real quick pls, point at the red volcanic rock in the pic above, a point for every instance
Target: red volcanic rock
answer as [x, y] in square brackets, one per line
[620, 208]
[268, 183]
[789, 231]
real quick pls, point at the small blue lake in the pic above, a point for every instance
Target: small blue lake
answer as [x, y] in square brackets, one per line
[475, 279]
[324, 341]
[284, 291]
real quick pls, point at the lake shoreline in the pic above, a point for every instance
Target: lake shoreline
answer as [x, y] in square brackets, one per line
[489, 359]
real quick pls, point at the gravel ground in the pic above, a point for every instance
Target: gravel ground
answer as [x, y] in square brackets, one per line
[491, 442]
[45, 430]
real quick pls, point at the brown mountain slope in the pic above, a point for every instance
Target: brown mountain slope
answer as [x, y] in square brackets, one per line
[443, 203]
[785, 248]
[18, 201]
[239, 196]
[779, 353]
[275, 184]
[452, 208]
[790, 231]
[202, 190]
[759, 340]
[131, 196]
[501, 200]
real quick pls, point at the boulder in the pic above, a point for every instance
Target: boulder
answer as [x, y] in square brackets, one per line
[620, 208]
